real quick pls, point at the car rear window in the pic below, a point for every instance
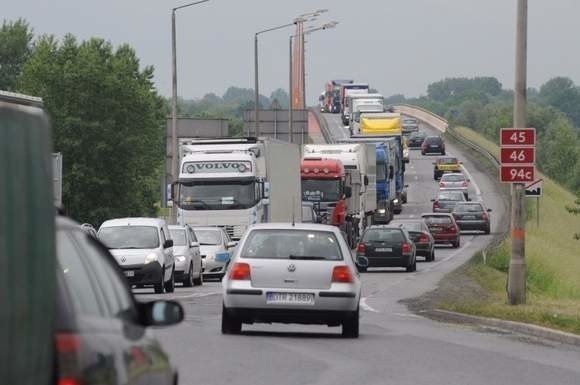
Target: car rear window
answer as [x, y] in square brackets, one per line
[453, 178]
[447, 160]
[433, 140]
[383, 235]
[437, 220]
[410, 226]
[473, 208]
[451, 196]
[291, 244]
[178, 237]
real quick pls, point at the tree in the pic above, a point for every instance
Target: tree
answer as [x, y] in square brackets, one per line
[15, 49]
[108, 123]
[562, 93]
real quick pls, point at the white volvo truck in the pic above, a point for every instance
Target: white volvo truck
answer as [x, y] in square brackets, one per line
[233, 183]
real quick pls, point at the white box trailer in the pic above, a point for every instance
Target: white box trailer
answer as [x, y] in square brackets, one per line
[233, 183]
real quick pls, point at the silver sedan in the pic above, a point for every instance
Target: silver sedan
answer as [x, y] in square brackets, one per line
[285, 273]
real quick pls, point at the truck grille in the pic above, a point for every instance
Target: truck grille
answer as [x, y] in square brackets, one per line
[235, 232]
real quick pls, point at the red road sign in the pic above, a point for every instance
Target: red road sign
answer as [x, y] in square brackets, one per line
[518, 155]
[517, 137]
[517, 174]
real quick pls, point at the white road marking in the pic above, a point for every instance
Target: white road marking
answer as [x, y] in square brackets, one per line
[365, 306]
[198, 295]
[473, 182]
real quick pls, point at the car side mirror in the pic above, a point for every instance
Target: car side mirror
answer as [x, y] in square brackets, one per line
[231, 244]
[194, 244]
[347, 191]
[366, 180]
[469, 199]
[160, 313]
[433, 163]
[406, 185]
[168, 243]
[432, 200]
[489, 210]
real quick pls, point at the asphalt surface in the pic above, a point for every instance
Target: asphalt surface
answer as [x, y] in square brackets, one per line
[395, 346]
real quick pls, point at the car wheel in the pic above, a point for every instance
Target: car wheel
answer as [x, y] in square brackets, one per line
[362, 269]
[443, 153]
[170, 286]
[487, 230]
[432, 256]
[188, 280]
[230, 324]
[456, 244]
[350, 326]
[409, 267]
[415, 264]
[158, 287]
[199, 280]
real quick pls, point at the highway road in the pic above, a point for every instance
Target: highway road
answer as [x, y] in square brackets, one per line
[395, 346]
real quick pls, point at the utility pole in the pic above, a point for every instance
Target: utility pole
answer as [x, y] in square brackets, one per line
[517, 267]
[256, 90]
[290, 117]
[303, 69]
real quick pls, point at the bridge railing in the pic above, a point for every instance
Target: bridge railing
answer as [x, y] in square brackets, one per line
[423, 115]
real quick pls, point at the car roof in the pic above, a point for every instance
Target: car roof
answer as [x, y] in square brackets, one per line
[446, 175]
[384, 227]
[436, 215]
[66, 223]
[134, 222]
[177, 227]
[295, 226]
[207, 228]
[409, 220]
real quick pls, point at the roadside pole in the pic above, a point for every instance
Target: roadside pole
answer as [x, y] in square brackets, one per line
[517, 267]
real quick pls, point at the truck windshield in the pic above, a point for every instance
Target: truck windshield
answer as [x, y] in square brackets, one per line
[218, 195]
[320, 190]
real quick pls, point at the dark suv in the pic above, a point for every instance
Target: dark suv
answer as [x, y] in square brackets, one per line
[101, 333]
[433, 145]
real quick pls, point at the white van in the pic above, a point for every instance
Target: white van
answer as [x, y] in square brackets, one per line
[144, 250]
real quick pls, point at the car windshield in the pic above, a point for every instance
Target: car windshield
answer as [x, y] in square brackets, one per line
[447, 161]
[417, 135]
[409, 121]
[451, 196]
[410, 226]
[208, 237]
[217, 195]
[320, 190]
[471, 208]
[178, 237]
[129, 237]
[384, 235]
[453, 178]
[291, 244]
[437, 220]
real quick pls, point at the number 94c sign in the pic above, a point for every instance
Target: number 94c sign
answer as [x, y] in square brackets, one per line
[517, 174]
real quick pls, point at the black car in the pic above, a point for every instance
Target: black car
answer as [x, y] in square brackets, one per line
[416, 139]
[472, 216]
[101, 333]
[433, 145]
[420, 235]
[387, 246]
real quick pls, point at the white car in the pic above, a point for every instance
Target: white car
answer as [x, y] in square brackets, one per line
[455, 182]
[143, 249]
[216, 250]
[188, 266]
[292, 273]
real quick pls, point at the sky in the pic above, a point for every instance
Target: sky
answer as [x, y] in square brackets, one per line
[396, 46]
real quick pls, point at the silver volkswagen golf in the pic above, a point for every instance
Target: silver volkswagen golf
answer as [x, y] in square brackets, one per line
[292, 273]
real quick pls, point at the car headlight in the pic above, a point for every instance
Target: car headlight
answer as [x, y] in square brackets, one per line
[395, 201]
[382, 211]
[180, 258]
[151, 258]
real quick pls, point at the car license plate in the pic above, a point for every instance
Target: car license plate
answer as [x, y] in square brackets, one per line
[384, 249]
[433, 146]
[469, 217]
[435, 229]
[129, 273]
[290, 298]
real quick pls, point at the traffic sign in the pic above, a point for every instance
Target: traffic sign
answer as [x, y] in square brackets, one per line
[517, 137]
[517, 174]
[535, 189]
[518, 155]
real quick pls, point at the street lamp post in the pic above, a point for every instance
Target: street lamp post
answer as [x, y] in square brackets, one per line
[174, 150]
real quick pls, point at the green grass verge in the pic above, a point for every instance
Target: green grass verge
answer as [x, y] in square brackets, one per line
[553, 264]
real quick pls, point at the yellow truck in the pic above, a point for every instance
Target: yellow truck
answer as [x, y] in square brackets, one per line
[381, 124]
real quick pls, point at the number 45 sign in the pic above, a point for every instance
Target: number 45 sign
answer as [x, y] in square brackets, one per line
[518, 137]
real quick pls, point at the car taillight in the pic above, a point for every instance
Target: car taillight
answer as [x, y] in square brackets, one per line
[342, 274]
[423, 238]
[406, 248]
[464, 184]
[240, 271]
[484, 216]
[452, 228]
[67, 349]
[361, 248]
[441, 184]
[435, 204]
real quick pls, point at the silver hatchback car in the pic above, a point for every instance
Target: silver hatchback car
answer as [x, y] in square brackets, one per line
[292, 273]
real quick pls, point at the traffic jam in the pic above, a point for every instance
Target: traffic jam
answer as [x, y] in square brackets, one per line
[289, 229]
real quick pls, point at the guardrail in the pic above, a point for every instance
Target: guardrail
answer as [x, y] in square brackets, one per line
[323, 124]
[424, 115]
